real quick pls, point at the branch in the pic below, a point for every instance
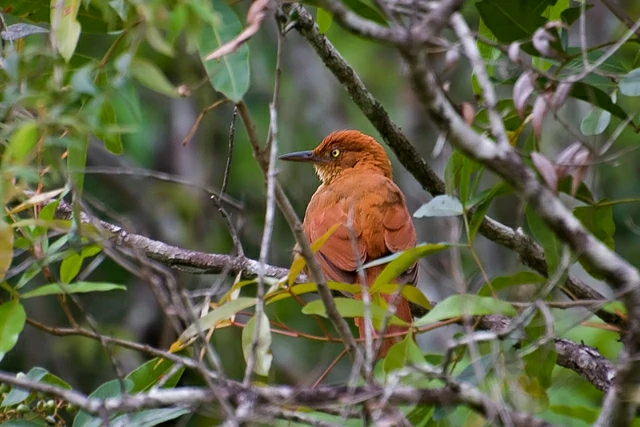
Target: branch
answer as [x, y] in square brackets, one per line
[621, 14]
[507, 164]
[319, 397]
[530, 253]
[584, 360]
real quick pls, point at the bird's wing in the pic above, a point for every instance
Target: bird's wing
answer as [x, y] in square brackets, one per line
[344, 250]
[400, 235]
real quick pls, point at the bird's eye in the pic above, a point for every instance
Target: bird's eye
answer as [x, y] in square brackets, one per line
[335, 152]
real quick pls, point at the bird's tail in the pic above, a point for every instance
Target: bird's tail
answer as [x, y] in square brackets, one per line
[403, 311]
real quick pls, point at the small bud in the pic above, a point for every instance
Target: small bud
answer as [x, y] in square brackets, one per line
[51, 420]
[23, 409]
[514, 52]
[49, 405]
[184, 91]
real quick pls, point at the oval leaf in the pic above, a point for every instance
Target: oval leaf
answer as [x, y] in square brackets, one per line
[149, 75]
[12, 319]
[442, 205]
[465, 305]
[263, 351]
[630, 84]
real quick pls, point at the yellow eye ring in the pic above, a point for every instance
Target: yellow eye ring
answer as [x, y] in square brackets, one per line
[335, 152]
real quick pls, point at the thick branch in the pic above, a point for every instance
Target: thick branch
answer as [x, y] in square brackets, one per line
[530, 253]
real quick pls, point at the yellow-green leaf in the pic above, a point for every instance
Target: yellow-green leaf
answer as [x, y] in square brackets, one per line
[348, 307]
[149, 75]
[465, 305]
[73, 288]
[299, 262]
[402, 353]
[65, 26]
[6, 247]
[305, 288]
[21, 142]
[410, 293]
[220, 314]
[70, 267]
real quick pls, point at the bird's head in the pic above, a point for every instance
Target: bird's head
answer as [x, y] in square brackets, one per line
[343, 152]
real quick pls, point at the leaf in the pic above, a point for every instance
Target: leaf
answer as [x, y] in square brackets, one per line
[65, 26]
[522, 90]
[18, 31]
[546, 169]
[76, 161]
[112, 139]
[73, 288]
[12, 320]
[465, 305]
[21, 142]
[630, 84]
[405, 260]
[487, 52]
[212, 318]
[599, 221]
[150, 373]
[546, 238]
[482, 202]
[109, 389]
[595, 122]
[539, 365]
[440, 206]
[70, 267]
[299, 262]
[263, 356]
[6, 248]
[572, 14]
[503, 282]
[230, 74]
[305, 288]
[148, 417]
[323, 19]
[410, 293]
[37, 199]
[583, 413]
[597, 97]
[150, 76]
[401, 354]
[19, 395]
[509, 20]
[348, 307]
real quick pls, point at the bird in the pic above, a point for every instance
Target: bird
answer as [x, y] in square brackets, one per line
[357, 192]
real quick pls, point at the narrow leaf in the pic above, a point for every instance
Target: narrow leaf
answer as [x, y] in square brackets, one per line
[299, 262]
[73, 288]
[348, 307]
[149, 75]
[212, 318]
[465, 305]
[6, 248]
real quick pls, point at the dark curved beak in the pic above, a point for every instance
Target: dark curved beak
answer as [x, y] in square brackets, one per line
[301, 156]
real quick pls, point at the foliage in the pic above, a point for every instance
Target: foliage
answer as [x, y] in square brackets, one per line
[73, 73]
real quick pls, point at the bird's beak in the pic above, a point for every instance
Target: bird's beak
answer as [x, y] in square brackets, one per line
[301, 156]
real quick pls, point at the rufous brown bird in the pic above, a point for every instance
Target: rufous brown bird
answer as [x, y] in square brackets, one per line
[358, 192]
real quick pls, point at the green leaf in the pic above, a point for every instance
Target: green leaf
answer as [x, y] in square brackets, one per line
[73, 288]
[405, 260]
[489, 53]
[572, 14]
[12, 320]
[18, 395]
[112, 138]
[482, 205]
[546, 238]
[263, 354]
[598, 219]
[597, 97]
[630, 84]
[595, 122]
[228, 75]
[21, 142]
[150, 373]
[32, 271]
[402, 353]
[221, 313]
[583, 194]
[512, 20]
[76, 161]
[65, 26]
[149, 417]
[439, 206]
[507, 110]
[503, 282]
[348, 307]
[323, 19]
[588, 415]
[6, 248]
[410, 293]
[111, 388]
[150, 76]
[70, 267]
[465, 305]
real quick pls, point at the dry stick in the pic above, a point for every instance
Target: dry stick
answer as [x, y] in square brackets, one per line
[272, 146]
[530, 253]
